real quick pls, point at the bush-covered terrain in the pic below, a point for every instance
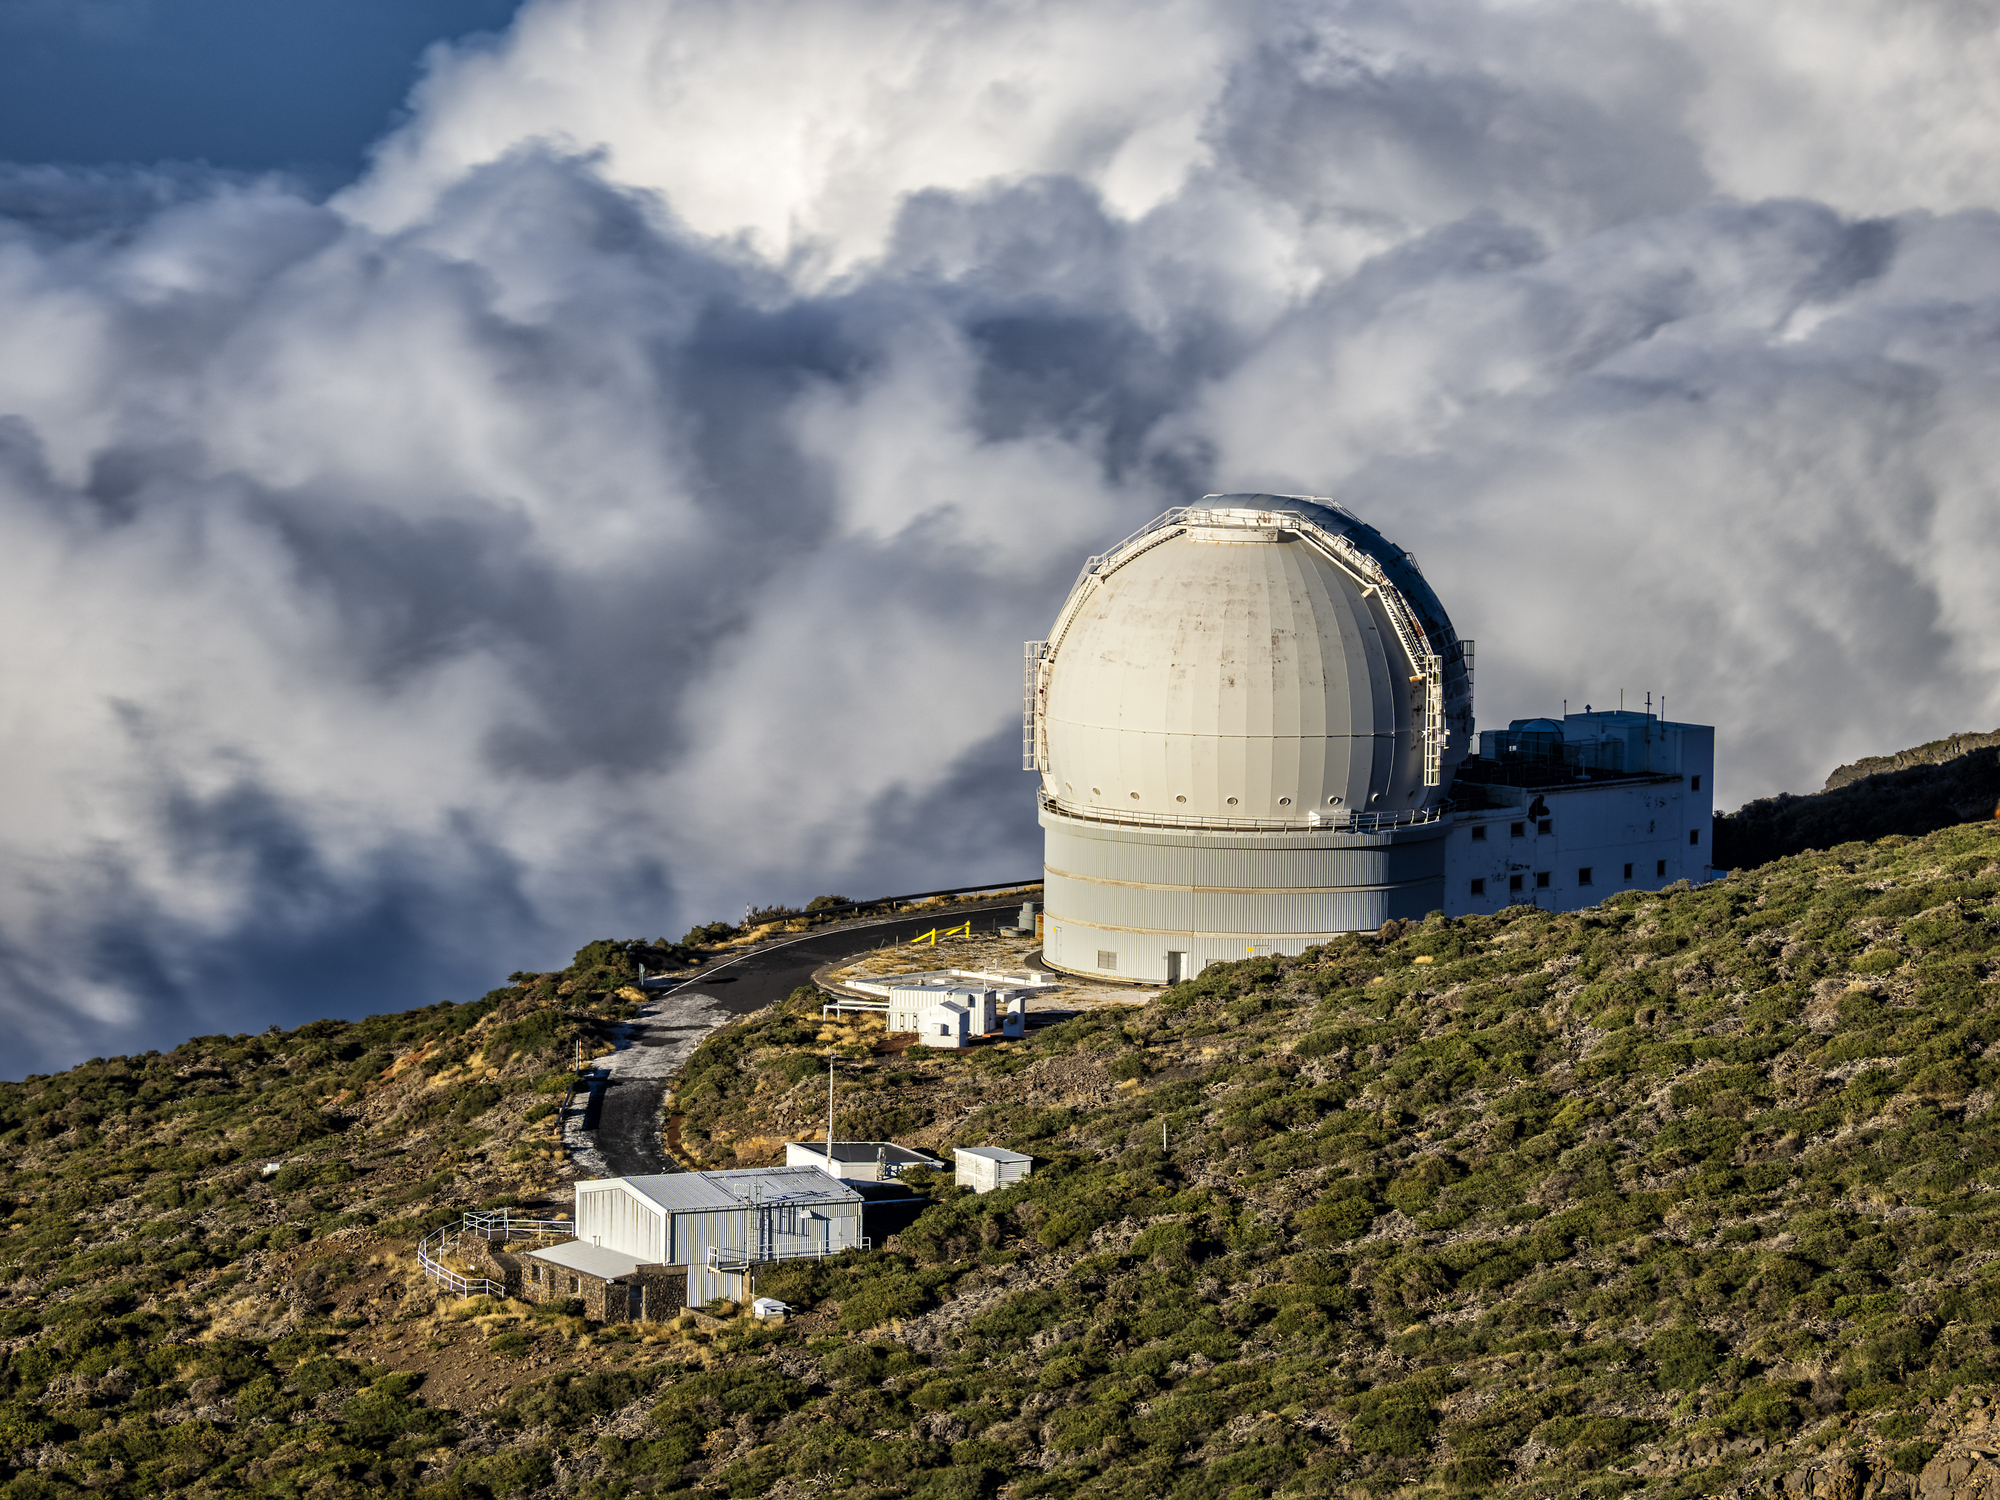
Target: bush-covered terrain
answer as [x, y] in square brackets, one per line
[1913, 792]
[1686, 1194]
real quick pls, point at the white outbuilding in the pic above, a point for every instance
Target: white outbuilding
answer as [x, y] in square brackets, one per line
[956, 1014]
[987, 1169]
[718, 1224]
[859, 1161]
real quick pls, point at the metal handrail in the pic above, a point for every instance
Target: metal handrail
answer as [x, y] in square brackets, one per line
[1340, 821]
[483, 1222]
[721, 1258]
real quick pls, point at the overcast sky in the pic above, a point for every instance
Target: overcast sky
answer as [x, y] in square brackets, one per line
[598, 471]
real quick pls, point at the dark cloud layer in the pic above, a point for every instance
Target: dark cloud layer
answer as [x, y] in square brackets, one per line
[626, 501]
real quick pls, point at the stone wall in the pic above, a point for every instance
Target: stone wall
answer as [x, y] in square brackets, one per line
[655, 1292]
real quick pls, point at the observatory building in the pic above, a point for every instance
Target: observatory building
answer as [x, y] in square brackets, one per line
[1253, 724]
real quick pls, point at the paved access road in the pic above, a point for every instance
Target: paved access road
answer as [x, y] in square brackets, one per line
[622, 1127]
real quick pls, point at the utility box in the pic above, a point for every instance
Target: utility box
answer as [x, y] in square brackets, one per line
[987, 1169]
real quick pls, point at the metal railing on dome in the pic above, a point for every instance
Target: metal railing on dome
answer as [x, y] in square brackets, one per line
[486, 1224]
[1338, 821]
[1426, 662]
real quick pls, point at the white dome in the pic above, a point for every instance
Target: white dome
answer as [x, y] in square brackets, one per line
[1228, 666]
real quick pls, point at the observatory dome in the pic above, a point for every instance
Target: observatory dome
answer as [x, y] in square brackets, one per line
[1258, 660]
[1246, 718]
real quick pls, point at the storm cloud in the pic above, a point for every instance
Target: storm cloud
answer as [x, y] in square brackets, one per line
[626, 499]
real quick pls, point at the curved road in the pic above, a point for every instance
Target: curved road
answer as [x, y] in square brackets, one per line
[623, 1116]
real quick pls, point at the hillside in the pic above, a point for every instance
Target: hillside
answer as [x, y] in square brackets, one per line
[1913, 792]
[1683, 1195]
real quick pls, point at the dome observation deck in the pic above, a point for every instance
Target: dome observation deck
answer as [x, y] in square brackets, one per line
[1245, 720]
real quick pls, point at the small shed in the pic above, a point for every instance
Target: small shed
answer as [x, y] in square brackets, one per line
[987, 1169]
[612, 1286]
[860, 1161]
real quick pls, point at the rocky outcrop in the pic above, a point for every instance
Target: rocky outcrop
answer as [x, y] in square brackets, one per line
[1966, 1468]
[1936, 753]
[1836, 1478]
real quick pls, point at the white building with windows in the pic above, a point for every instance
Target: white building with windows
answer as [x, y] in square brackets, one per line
[1562, 813]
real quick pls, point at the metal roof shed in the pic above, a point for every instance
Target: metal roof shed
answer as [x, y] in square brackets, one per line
[986, 1169]
[718, 1224]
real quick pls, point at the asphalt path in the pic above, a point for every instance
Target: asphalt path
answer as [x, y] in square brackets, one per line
[622, 1126]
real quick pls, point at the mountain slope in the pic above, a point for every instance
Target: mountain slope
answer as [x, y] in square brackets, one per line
[1685, 1194]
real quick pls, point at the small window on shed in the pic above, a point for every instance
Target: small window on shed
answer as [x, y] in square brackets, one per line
[1659, 867]
[1106, 959]
[1478, 887]
[1479, 831]
[1583, 875]
[1517, 830]
[1541, 880]
[1513, 882]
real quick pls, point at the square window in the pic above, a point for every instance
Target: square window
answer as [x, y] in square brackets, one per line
[1583, 876]
[1106, 959]
[1513, 882]
[1517, 830]
[1694, 835]
[1660, 867]
[1697, 785]
[1544, 825]
[1541, 880]
[1478, 887]
[1479, 831]
[1628, 872]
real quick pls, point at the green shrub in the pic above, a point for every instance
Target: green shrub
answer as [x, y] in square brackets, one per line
[1683, 1357]
[1910, 1458]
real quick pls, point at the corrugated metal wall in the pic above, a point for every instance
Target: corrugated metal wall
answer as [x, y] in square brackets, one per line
[837, 1227]
[1141, 894]
[611, 1217]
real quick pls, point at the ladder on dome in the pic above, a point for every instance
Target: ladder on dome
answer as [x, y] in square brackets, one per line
[1031, 674]
[1434, 732]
